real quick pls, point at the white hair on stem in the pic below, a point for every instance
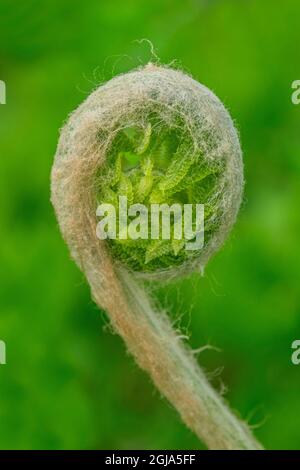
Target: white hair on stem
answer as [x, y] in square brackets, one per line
[82, 151]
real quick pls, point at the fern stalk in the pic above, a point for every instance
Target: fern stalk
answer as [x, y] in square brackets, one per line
[107, 149]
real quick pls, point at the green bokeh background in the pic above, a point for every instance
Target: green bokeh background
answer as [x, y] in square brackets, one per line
[69, 382]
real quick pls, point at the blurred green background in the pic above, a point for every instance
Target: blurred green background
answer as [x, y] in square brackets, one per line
[68, 382]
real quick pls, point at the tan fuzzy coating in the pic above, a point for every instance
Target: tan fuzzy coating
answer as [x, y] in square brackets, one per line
[82, 149]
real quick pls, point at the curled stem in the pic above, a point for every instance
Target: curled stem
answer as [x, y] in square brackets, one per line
[147, 332]
[158, 350]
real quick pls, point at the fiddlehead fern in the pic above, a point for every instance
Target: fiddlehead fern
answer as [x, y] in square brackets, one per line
[155, 136]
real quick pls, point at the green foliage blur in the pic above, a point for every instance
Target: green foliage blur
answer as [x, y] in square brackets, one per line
[68, 382]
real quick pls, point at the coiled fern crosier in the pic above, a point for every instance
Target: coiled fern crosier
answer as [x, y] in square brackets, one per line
[155, 136]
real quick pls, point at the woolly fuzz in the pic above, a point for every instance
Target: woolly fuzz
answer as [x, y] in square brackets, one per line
[178, 103]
